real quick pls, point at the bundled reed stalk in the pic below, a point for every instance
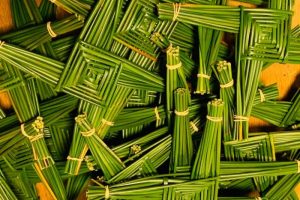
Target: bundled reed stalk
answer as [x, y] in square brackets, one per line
[43, 33]
[207, 161]
[223, 73]
[133, 149]
[103, 119]
[188, 64]
[209, 44]
[41, 67]
[182, 144]
[44, 163]
[106, 159]
[44, 90]
[23, 96]
[147, 164]
[175, 78]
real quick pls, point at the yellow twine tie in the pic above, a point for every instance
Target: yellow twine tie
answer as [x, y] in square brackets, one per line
[262, 96]
[80, 118]
[53, 1]
[298, 162]
[182, 113]
[172, 67]
[176, 7]
[31, 138]
[1, 43]
[240, 118]
[46, 162]
[107, 195]
[50, 30]
[214, 119]
[156, 113]
[106, 122]
[88, 133]
[193, 125]
[76, 159]
[227, 85]
[203, 76]
[36, 137]
[258, 198]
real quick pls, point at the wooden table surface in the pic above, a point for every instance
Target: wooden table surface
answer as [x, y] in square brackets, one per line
[287, 76]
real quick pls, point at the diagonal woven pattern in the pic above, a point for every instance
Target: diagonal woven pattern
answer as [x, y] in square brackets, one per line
[100, 72]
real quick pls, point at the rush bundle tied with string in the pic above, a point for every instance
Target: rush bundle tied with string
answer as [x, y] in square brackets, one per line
[148, 99]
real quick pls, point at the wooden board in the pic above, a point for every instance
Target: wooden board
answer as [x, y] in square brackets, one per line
[287, 76]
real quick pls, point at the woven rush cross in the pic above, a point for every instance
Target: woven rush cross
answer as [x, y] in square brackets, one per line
[164, 102]
[92, 79]
[99, 66]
